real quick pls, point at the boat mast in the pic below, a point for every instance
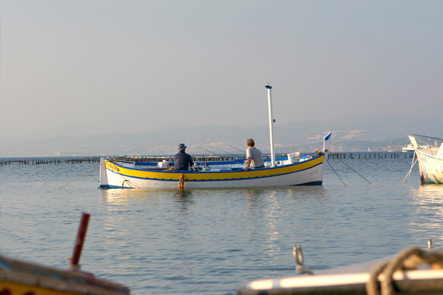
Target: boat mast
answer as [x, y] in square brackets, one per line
[271, 121]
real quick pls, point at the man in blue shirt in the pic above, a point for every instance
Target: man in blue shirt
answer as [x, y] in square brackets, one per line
[182, 160]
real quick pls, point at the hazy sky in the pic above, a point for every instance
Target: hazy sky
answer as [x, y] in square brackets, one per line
[92, 67]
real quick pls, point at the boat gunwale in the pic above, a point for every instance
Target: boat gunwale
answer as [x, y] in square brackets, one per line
[426, 136]
[18, 271]
[211, 176]
[428, 155]
[215, 179]
[240, 170]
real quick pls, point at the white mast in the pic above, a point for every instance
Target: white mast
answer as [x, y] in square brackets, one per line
[271, 121]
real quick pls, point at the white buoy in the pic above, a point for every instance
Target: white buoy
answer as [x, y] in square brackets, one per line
[271, 121]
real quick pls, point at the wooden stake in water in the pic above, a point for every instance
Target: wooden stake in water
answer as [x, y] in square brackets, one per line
[81, 234]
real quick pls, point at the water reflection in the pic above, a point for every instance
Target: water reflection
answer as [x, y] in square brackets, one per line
[257, 216]
[128, 196]
[428, 195]
[273, 216]
[183, 195]
[428, 211]
[184, 198]
[270, 224]
[433, 190]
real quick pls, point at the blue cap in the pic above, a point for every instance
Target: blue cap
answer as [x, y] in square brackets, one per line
[181, 146]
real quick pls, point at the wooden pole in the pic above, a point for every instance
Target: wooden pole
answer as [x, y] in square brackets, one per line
[81, 234]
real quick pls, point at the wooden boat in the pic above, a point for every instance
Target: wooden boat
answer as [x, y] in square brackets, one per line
[18, 277]
[306, 171]
[429, 157]
[412, 271]
[294, 170]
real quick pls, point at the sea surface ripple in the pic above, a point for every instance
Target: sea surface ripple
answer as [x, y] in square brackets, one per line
[213, 241]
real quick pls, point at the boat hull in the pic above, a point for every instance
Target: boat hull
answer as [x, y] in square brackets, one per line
[431, 168]
[22, 277]
[354, 279]
[430, 165]
[309, 172]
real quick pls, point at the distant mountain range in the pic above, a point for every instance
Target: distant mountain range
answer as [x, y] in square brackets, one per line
[377, 133]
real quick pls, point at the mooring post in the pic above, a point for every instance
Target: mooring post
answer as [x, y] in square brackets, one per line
[81, 234]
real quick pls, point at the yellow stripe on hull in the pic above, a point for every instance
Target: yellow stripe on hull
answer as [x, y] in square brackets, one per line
[116, 175]
[20, 289]
[213, 176]
[19, 277]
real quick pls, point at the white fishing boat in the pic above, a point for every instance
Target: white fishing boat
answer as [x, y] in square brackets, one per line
[412, 271]
[410, 147]
[293, 170]
[307, 171]
[429, 157]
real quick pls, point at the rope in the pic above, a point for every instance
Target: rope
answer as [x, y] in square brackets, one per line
[409, 258]
[353, 170]
[80, 177]
[300, 267]
[410, 170]
[112, 160]
[126, 180]
[336, 173]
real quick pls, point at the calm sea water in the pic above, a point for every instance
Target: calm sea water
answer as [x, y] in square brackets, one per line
[213, 241]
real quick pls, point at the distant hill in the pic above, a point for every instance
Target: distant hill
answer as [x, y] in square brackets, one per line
[377, 133]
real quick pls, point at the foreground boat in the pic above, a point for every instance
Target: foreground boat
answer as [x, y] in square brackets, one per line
[18, 277]
[291, 171]
[430, 158]
[412, 271]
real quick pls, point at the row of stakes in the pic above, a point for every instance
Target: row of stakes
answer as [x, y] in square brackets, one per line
[198, 158]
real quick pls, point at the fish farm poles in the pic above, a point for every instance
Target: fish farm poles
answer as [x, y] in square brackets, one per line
[271, 121]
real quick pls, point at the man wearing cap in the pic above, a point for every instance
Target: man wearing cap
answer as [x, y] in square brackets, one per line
[182, 160]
